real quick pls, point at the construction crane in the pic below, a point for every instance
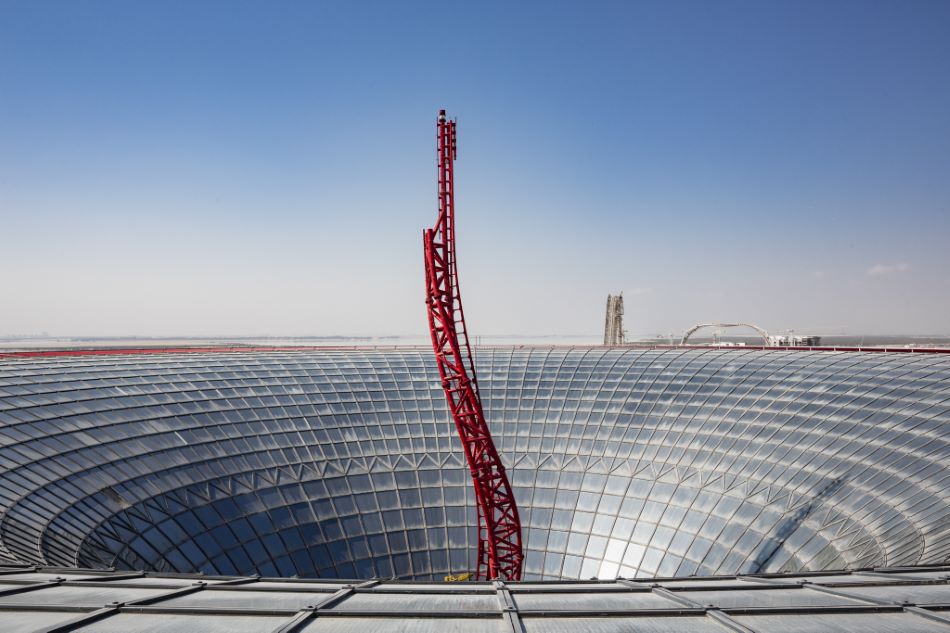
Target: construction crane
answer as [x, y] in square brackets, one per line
[500, 555]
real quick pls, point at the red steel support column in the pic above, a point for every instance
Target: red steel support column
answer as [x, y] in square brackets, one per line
[499, 527]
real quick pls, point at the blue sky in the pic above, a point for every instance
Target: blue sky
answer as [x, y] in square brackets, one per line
[239, 168]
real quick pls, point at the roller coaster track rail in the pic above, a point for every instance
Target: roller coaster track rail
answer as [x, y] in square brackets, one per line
[500, 554]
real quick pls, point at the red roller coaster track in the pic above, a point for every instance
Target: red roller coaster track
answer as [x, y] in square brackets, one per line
[499, 527]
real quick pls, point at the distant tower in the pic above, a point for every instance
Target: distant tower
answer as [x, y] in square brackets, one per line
[613, 325]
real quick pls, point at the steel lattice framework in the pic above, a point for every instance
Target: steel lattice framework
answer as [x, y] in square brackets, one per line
[499, 526]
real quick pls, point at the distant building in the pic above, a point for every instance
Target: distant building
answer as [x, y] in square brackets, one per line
[791, 340]
[613, 324]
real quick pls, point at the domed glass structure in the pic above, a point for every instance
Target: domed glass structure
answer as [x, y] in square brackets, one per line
[343, 463]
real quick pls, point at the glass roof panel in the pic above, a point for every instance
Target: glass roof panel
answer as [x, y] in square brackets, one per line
[247, 599]
[330, 624]
[914, 594]
[30, 621]
[672, 624]
[841, 623]
[79, 596]
[615, 601]
[400, 603]
[174, 623]
[766, 598]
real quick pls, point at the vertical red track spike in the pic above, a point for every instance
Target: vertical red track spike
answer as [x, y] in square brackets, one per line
[499, 527]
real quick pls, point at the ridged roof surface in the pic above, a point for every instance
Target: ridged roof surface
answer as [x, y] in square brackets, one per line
[900, 600]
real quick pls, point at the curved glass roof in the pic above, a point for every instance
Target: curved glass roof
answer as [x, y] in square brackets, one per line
[345, 464]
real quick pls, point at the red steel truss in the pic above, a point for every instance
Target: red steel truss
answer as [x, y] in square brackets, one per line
[499, 527]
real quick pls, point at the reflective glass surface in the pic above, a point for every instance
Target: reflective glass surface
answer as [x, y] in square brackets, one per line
[345, 463]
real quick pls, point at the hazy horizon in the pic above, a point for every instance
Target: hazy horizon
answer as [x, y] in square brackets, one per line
[703, 337]
[253, 169]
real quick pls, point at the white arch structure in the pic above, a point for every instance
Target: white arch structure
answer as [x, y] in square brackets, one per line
[692, 330]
